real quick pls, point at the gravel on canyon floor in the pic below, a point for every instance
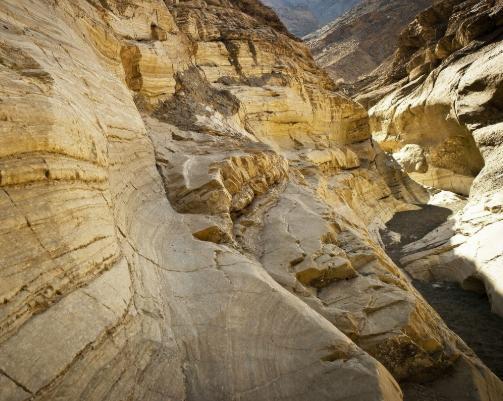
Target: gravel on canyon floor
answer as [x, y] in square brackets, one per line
[467, 313]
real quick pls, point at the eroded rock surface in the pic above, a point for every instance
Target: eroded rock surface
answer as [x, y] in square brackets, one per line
[437, 106]
[190, 212]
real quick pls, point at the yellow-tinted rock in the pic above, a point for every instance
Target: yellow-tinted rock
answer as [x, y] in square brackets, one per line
[445, 128]
[157, 244]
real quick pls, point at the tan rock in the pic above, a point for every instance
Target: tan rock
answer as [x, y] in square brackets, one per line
[443, 127]
[161, 224]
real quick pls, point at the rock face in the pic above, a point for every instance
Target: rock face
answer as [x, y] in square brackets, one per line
[357, 42]
[190, 212]
[305, 16]
[437, 105]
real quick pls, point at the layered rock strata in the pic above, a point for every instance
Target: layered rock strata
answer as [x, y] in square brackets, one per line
[438, 107]
[190, 212]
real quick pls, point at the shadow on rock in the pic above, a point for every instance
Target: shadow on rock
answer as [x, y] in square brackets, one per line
[465, 310]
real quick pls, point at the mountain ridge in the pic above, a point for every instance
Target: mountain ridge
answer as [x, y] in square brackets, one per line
[191, 211]
[303, 17]
[361, 39]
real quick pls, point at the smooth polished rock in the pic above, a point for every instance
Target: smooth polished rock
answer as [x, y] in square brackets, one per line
[142, 201]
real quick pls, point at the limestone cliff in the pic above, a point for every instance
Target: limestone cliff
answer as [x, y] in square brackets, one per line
[360, 40]
[190, 212]
[437, 105]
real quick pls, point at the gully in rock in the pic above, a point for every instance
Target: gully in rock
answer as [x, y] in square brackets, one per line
[191, 210]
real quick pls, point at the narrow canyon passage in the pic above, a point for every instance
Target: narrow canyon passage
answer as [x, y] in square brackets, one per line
[190, 206]
[466, 312]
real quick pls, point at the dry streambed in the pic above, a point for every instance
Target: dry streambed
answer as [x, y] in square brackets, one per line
[467, 313]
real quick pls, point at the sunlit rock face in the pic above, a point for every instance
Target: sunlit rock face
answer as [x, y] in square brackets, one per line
[437, 106]
[190, 212]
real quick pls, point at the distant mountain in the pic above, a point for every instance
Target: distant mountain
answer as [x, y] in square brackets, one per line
[360, 40]
[305, 16]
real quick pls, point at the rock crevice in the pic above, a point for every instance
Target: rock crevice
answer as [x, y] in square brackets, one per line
[204, 232]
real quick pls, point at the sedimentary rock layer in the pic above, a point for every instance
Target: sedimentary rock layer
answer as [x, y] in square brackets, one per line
[437, 105]
[190, 212]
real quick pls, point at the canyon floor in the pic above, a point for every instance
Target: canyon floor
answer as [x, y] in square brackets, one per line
[467, 313]
[190, 209]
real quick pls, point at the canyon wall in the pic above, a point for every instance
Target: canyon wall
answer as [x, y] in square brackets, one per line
[437, 105]
[191, 212]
